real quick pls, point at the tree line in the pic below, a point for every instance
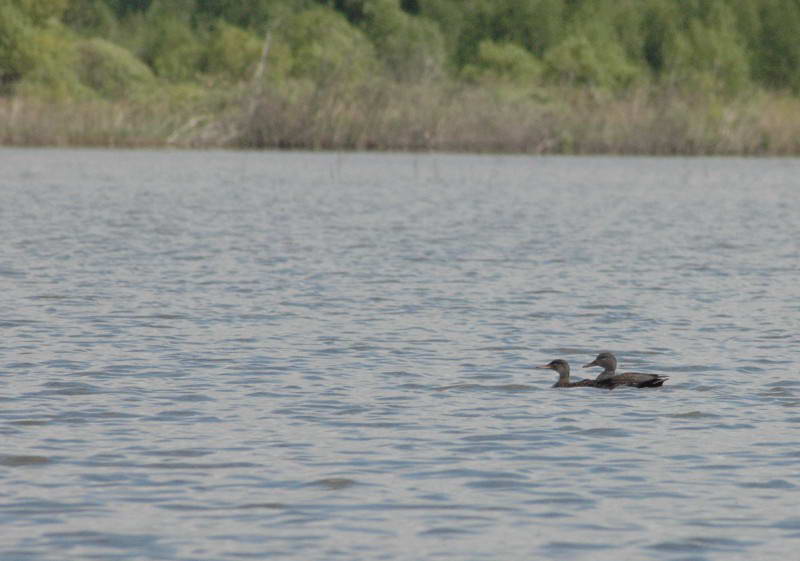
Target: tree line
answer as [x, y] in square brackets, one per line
[114, 48]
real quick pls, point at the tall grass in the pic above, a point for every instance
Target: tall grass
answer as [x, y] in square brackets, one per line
[33, 122]
[440, 116]
[555, 121]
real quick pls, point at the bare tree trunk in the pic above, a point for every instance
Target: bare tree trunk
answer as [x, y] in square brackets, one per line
[257, 81]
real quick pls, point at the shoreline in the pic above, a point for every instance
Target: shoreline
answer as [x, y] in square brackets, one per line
[421, 119]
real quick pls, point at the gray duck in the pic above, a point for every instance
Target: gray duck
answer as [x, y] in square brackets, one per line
[562, 367]
[609, 378]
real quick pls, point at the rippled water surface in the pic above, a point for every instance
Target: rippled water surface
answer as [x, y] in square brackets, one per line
[221, 355]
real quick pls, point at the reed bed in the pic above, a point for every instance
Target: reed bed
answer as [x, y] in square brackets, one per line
[428, 117]
[32, 122]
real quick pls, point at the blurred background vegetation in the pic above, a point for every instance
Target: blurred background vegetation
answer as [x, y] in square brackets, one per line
[632, 76]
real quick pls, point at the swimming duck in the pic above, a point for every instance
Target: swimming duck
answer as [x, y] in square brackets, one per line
[609, 378]
[562, 367]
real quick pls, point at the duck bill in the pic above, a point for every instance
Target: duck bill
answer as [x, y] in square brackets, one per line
[543, 367]
[593, 363]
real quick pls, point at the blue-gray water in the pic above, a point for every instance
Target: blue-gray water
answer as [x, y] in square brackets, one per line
[221, 355]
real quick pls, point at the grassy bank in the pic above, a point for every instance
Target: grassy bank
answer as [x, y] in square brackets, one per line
[446, 117]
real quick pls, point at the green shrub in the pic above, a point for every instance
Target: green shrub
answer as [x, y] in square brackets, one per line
[504, 62]
[325, 46]
[52, 71]
[536, 25]
[40, 11]
[658, 25]
[253, 15]
[37, 60]
[778, 53]
[232, 51]
[91, 18]
[171, 48]
[15, 33]
[450, 16]
[580, 61]
[109, 69]
[163, 37]
[411, 48]
[710, 55]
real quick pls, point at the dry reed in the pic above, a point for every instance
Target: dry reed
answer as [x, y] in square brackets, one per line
[442, 117]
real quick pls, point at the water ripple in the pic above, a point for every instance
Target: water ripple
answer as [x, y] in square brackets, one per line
[222, 355]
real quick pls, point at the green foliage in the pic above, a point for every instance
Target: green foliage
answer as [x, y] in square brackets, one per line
[40, 11]
[15, 34]
[37, 60]
[325, 46]
[503, 62]
[613, 21]
[748, 21]
[92, 18]
[249, 14]
[353, 10]
[597, 62]
[659, 20]
[232, 51]
[169, 44]
[536, 25]
[124, 8]
[51, 74]
[174, 52]
[710, 55]
[110, 70]
[450, 17]
[412, 48]
[722, 46]
[778, 53]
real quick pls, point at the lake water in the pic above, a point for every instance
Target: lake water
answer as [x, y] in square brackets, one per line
[244, 355]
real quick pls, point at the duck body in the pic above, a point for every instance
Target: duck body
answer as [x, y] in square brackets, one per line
[609, 378]
[579, 384]
[635, 379]
[562, 368]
